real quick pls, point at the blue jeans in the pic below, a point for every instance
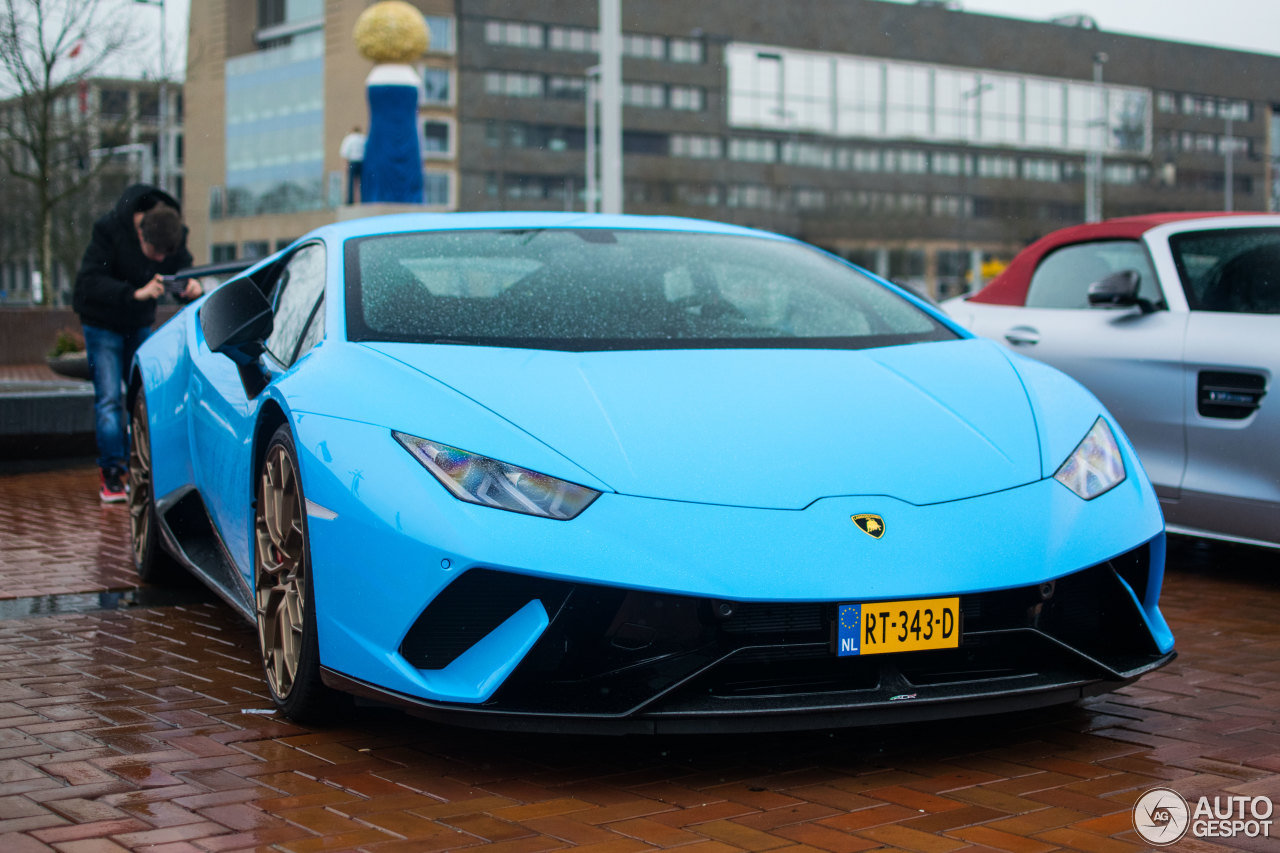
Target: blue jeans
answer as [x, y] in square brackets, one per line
[110, 354]
[354, 168]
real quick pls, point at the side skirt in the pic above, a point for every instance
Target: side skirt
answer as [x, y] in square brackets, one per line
[191, 537]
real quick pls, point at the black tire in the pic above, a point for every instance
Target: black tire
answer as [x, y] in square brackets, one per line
[284, 596]
[153, 563]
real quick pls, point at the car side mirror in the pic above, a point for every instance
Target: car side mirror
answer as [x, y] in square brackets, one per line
[236, 319]
[1119, 290]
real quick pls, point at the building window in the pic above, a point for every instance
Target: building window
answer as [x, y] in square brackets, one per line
[906, 162]
[441, 34]
[537, 187]
[513, 84]
[222, 252]
[148, 105]
[644, 95]
[1126, 173]
[567, 88]
[437, 86]
[699, 195]
[437, 138]
[808, 154]
[951, 205]
[753, 150]
[513, 34]
[1236, 145]
[696, 147]
[909, 101]
[251, 250]
[436, 188]
[275, 128]
[865, 160]
[946, 163]
[113, 103]
[793, 90]
[685, 50]
[1034, 169]
[687, 98]
[758, 196]
[270, 13]
[576, 39]
[644, 47]
[808, 198]
[995, 166]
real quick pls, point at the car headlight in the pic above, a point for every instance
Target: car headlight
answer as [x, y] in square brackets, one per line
[488, 482]
[1095, 466]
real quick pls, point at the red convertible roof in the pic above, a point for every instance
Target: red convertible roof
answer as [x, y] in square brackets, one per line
[1010, 286]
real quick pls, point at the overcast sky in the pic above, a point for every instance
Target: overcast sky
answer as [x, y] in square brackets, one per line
[1241, 24]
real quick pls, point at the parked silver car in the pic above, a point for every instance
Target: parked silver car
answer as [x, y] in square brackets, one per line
[1173, 321]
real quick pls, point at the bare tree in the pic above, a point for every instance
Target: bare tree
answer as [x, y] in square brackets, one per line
[48, 51]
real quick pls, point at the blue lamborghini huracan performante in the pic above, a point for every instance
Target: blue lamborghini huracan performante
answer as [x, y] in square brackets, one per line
[610, 473]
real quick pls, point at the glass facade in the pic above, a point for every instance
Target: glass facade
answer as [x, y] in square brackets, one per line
[275, 128]
[440, 33]
[841, 95]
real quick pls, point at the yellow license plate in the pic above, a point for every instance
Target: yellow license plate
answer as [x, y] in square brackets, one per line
[880, 627]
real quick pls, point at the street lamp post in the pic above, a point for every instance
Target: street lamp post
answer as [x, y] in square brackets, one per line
[1097, 139]
[1229, 176]
[975, 254]
[610, 106]
[162, 167]
[593, 158]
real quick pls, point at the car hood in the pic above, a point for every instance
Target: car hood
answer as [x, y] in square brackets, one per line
[774, 428]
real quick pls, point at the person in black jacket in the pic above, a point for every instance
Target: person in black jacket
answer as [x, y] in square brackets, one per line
[116, 290]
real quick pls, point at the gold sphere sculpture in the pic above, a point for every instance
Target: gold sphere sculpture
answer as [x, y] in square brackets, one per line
[391, 31]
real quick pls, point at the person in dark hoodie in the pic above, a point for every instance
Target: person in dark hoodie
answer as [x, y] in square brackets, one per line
[116, 291]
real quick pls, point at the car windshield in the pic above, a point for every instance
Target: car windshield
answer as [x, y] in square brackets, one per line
[597, 289]
[1235, 270]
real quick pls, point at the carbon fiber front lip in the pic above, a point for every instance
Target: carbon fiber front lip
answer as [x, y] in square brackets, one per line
[881, 706]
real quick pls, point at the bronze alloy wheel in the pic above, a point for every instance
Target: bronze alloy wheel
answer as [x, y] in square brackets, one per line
[283, 593]
[281, 576]
[153, 564]
[140, 526]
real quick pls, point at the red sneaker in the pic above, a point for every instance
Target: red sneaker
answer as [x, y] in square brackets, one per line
[112, 490]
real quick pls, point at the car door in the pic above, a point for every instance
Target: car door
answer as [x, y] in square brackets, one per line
[1130, 358]
[225, 411]
[1232, 278]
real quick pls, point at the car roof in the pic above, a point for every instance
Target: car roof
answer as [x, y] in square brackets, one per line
[406, 222]
[1010, 286]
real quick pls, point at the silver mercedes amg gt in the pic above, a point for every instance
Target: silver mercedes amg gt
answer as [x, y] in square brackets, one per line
[1173, 321]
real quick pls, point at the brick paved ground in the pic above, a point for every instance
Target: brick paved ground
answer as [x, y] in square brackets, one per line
[136, 729]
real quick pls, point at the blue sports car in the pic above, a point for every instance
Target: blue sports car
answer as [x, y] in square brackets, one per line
[571, 472]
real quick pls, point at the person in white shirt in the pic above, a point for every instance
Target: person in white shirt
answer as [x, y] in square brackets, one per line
[352, 150]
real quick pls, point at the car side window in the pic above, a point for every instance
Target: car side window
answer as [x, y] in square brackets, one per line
[1062, 280]
[315, 330]
[1233, 270]
[297, 292]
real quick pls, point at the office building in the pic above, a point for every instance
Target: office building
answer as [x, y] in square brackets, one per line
[919, 140]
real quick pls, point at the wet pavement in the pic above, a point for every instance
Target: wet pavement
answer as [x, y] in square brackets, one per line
[136, 719]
